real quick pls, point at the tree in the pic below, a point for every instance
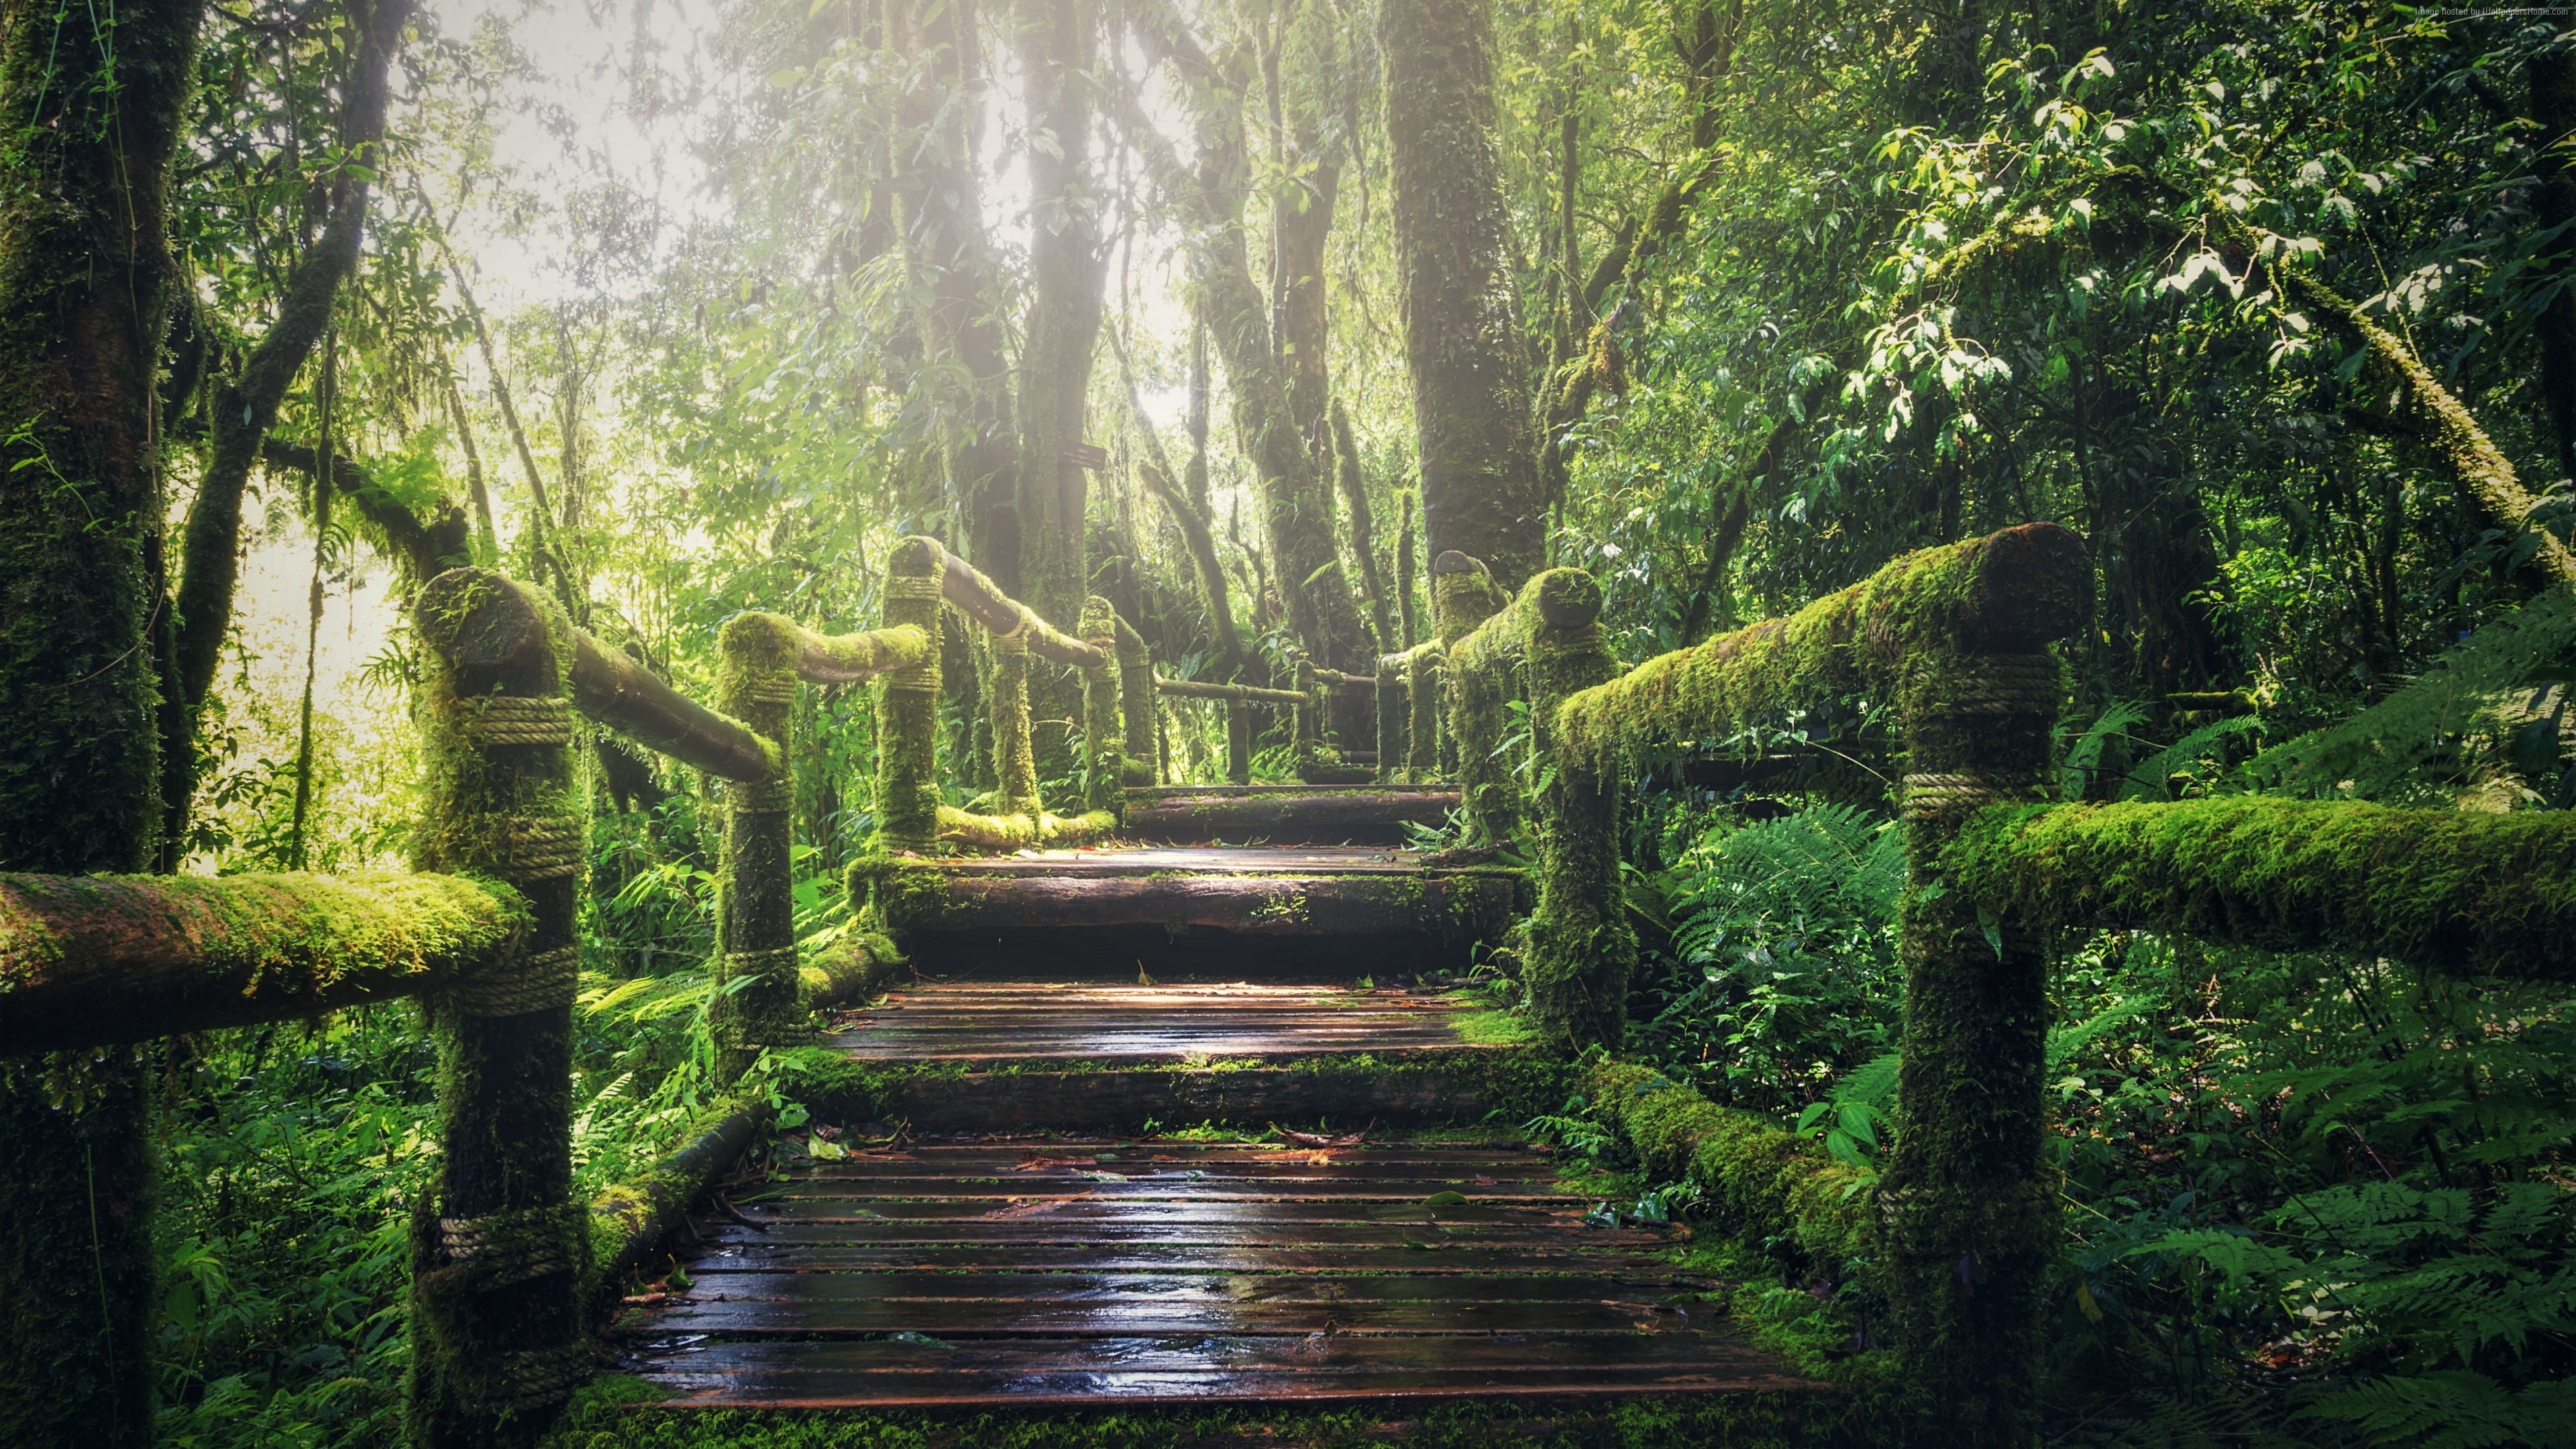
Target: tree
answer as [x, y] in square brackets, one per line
[1462, 327]
[95, 106]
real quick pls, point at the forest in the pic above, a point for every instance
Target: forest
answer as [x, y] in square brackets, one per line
[1258, 339]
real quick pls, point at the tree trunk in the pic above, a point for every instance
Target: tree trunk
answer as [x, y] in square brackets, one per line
[2553, 105]
[1296, 499]
[1462, 329]
[85, 273]
[244, 411]
[939, 198]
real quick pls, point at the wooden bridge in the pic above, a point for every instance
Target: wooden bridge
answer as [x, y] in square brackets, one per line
[1172, 1092]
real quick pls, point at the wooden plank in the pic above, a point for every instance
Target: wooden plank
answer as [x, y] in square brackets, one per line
[1176, 1189]
[1269, 904]
[1228, 1232]
[1211, 1288]
[831, 1180]
[1096, 1203]
[745, 1254]
[1353, 1096]
[882, 1373]
[792, 1315]
[1212, 860]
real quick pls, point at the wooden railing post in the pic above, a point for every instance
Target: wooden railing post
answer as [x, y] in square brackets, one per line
[497, 1244]
[907, 784]
[1463, 597]
[1426, 687]
[1238, 739]
[1967, 1211]
[1394, 713]
[1104, 732]
[1580, 949]
[1136, 706]
[755, 881]
[1015, 765]
[1305, 720]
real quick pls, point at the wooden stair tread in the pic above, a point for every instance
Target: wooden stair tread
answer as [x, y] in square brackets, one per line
[1023, 1021]
[913, 1278]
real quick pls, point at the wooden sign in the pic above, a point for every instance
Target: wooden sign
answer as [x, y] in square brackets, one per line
[1088, 455]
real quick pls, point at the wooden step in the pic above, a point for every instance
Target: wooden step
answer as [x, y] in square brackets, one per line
[1286, 813]
[998, 1272]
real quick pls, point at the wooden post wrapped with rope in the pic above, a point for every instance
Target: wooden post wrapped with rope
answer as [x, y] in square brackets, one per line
[1104, 734]
[755, 884]
[907, 784]
[1015, 763]
[1967, 1212]
[497, 1243]
[1581, 950]
[1305, 722]
[1136, 706]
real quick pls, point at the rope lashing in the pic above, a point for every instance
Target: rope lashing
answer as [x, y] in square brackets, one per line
[1933, 796]
[545, 981]
[914, 586]
[2003, 684]
[495, 720]
[774, 686]
[766, 962]
[528, 848]
[499, 1249]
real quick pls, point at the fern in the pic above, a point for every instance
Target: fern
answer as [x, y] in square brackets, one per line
[2084, 757]
[2406, 739]
[2456, 1410]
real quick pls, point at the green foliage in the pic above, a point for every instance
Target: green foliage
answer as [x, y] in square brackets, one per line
[1781, 974]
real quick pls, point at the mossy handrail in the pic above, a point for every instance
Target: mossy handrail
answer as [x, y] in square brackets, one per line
[99, 960]
[1955, 637]
[921, 576]
[2441, 890]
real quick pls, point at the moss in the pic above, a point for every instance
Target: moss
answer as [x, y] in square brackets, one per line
[1808, 1211]
[495, 1326]
[1024, 831]
[1104, 731]
[2439, 888]
[616, 1414]
[1898, 632]
[907, 701]
[188, 953]
[1007, 705]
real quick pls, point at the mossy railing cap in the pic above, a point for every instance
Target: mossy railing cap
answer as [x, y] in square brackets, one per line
[1463, 594]
[2011, 592]
[979, 599]
[1238, 693]
[95, 960]
[484, 620]
[2435, 888]
[783, 643]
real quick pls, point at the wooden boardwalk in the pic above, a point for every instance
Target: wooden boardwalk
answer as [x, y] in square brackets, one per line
[988, 1022]
[1040, 1271]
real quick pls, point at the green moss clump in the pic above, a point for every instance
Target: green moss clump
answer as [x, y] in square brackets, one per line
[907, 701]
[2440, 888]
[1900, 630]
[1811, 1213]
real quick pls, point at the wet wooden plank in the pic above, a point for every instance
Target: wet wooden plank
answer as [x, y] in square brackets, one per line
[1212, 860]
[1211, 1369]
[1235, 1229]
[1210, 1174]
[1116, 1288]
[1348, 1096]
[790, 1315]
[1093, 1205]
[1167, 1189]
[1527, 1259]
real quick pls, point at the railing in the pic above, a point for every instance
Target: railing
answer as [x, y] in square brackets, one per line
[1960, 1230]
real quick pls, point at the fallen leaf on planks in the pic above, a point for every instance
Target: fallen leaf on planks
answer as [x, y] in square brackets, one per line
[1034, 1207]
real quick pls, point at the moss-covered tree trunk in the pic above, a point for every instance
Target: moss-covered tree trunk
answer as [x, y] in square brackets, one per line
[497, 1247]
[1967, 1215]
[940, 200]
[1058, 52]
[93, 98]
[1462, 329]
